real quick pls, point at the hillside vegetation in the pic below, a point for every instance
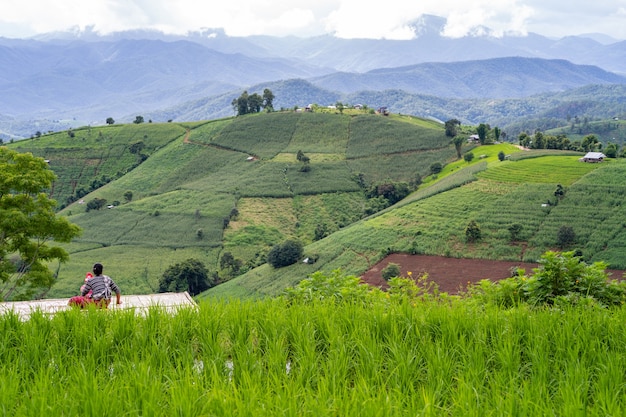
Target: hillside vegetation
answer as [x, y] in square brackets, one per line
[235, 185]
[200, 189]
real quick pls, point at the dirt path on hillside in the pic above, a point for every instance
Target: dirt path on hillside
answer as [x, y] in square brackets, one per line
[452, 274]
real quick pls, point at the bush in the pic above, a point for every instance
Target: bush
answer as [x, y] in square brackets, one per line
[565, 236]
[472, 231]
[285, 254]
[190, 275]
[562, 279]
[392, 270]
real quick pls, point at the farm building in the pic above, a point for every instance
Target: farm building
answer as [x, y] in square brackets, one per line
[138, 303]
[593, 157]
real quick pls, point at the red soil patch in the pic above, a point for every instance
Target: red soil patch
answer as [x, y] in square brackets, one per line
[451, 274]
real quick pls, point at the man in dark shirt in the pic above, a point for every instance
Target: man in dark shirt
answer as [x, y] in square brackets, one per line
[101, 286]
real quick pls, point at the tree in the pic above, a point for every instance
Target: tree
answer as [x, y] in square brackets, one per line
[501, 156]
[240, 104]
[565, 236]
[268, 100]
[451, 127]
[138, 120]
[255, 102]
[110, 121]
[27, 225]
[128, 196]
[496, 133]
[472, 231]
[285, 254]
[468, 157]
[458, 144]
[435, 168]
[190, 275]
[482, 130]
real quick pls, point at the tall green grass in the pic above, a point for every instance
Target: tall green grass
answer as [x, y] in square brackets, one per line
[322, 359]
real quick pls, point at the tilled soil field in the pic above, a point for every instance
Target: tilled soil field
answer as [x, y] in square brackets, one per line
[451, 274]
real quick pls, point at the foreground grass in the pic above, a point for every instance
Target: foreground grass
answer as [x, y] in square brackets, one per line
[269, 358]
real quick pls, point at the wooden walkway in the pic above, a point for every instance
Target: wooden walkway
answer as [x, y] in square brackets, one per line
[140, 303]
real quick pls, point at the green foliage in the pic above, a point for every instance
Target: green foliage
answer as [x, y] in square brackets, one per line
[360, 358]
[28, 224]
[473, 232]
[562, 279]
[565, 236]
[515, 230]
[190, 275]
[335, 287]
[435, 168]
[468, 157]
[392, 270]
[285, 254]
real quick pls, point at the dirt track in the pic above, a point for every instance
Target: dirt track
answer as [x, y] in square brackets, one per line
[451, 274]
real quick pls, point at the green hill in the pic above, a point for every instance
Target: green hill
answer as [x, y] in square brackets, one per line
[174, 188]
[235, 185]
[496, 195]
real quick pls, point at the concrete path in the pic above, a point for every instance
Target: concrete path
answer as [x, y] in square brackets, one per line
[140, 303]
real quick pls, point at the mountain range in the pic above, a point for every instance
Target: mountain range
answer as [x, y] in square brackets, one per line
[62, 80]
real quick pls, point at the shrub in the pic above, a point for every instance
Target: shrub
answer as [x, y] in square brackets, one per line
[392, 270]
[565, 236]
[336, 287]
[190, 275]
[472, 231]
[285, 254]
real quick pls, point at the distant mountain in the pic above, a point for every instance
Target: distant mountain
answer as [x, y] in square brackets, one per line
[92, 80]
[494, 78]
[60, 80]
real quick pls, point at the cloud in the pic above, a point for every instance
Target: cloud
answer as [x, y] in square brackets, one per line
[389, 19]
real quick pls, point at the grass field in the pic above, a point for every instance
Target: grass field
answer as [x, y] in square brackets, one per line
[383, 358]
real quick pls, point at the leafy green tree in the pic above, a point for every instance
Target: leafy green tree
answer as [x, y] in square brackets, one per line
[472, 231]
[468, 157]
[110, 121]
[435, 168]
[482, 130]
[451, 127]
[287, 253]
[390, 191]
[611, 150]
[255, 102]
[268, 99]
[458, 142]
[240, 104]
[497, 132]
[128, 196]
[96, 204]
[190, 275]
[28, 224]
[565, 236]
[138, 120]
[501, 156]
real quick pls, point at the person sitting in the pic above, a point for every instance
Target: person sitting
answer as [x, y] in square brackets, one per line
[80, 300]
[101, 287]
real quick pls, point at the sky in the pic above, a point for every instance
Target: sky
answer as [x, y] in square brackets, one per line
[387, 19]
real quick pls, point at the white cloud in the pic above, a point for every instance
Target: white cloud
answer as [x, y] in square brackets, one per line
[345, 18]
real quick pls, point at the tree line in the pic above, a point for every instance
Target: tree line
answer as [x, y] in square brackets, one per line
[253, 103]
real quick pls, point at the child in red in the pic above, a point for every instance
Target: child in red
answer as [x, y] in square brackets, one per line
[82, 300]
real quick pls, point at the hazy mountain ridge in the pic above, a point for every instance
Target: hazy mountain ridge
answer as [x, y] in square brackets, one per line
[76, 78]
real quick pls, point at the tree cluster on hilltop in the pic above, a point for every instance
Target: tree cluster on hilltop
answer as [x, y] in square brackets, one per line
[253, 103]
